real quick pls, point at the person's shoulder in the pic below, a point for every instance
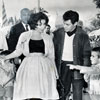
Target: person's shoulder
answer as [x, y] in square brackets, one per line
[17, 25]
[81, 32]
[25, 35]
[59, 30]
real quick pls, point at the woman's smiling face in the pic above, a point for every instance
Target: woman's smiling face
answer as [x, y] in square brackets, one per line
[41, 25]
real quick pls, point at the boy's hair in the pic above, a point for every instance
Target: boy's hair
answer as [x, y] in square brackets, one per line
[6, 52]
[97, 49]
[71, 15]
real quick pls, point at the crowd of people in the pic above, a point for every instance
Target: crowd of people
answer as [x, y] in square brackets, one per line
[37, 58]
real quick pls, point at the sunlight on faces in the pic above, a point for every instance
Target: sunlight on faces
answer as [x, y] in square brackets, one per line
[41, 25]
[68, 26]
[95, 58]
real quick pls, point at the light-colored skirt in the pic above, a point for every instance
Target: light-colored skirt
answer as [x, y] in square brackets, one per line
[35, 79]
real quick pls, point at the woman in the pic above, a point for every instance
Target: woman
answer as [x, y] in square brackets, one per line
[37, 74]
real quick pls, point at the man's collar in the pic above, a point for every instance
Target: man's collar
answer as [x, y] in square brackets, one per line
[71, 33]
[25, 25]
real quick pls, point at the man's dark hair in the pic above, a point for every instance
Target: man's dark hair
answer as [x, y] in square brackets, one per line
[71, 15]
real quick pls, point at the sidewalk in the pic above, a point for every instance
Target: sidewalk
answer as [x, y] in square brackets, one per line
[85, 97]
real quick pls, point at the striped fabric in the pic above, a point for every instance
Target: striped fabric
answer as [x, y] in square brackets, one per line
[4, 16]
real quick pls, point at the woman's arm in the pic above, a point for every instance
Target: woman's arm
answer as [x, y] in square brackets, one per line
[14, 54]
[19, 47]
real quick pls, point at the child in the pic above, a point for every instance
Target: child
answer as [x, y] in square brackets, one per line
[92, 74]
[7, 74]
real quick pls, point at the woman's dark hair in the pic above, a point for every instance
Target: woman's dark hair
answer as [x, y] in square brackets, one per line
[71, 15]
[34, 18]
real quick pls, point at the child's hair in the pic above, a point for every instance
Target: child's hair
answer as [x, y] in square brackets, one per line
[97, 49]
[6, 52]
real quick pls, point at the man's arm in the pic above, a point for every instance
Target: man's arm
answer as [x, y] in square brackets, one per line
[86, 51]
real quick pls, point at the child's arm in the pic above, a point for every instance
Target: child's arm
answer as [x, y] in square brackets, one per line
[83, 69]
[86, 70]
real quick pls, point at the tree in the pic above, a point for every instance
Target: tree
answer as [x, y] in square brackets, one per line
[95, 23]
[97, 2]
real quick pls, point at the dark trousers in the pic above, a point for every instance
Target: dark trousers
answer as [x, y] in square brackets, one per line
[66, 76]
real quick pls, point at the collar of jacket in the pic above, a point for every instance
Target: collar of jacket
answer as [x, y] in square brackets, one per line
[71, 33]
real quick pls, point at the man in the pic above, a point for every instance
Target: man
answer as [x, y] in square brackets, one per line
[72, 46]
[17, 29]
[48, 30]
[48, 27]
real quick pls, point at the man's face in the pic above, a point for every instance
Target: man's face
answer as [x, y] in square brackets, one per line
[69, 26]
[94, 58]
[25, 15]
[47, 29]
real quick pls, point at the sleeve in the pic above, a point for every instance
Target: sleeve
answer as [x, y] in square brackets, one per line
[51, 49]
[51, 55]
[19, 48]
[11, 39]
[86, 51]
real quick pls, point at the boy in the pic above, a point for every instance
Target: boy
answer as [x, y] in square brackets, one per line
[7, 74]
[92, 74]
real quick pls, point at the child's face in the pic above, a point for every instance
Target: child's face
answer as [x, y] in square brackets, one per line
[94, 58]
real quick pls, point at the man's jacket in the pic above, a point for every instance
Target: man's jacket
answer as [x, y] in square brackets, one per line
[81, 49]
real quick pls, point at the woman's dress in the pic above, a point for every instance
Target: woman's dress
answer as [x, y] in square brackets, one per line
[37, 74]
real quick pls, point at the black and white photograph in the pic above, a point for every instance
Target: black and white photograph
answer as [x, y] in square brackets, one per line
[49, 49]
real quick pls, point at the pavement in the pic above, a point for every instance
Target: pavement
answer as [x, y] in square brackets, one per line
[85, 97]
